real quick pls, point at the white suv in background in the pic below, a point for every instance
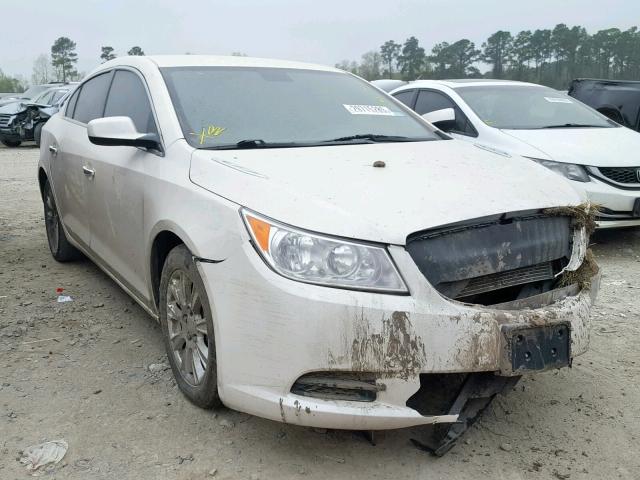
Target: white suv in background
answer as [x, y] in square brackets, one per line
[545, 125]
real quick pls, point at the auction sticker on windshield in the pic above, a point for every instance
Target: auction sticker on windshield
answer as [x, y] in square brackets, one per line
[368, 110]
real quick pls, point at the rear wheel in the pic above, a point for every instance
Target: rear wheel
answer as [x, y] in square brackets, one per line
[11, 143]
[187, 325]
[60, 247]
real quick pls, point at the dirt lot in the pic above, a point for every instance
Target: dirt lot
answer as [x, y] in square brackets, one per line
[80, 371]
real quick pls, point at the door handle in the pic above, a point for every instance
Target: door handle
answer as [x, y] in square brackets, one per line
[88, 171]
[53, 150]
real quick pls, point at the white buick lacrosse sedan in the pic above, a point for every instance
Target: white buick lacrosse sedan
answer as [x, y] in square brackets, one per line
[315, 252]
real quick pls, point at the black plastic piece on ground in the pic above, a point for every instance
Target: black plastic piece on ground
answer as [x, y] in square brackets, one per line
[477, 392]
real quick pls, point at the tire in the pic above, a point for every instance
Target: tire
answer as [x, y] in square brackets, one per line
[60, 247]
[37, 133]
[11, 143]
[190, 323]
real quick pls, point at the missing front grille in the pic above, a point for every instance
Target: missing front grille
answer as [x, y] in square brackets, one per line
[496, 259]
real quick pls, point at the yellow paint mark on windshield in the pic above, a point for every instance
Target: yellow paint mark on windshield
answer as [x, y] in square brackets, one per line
[209, 131]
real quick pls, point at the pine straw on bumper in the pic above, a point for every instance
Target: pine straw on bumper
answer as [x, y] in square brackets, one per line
[584, 215]
[583, 275]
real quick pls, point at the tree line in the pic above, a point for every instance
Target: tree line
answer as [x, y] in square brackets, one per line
[551, 57]
[59, 66]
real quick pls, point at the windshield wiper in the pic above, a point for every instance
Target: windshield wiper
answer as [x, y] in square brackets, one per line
[253, 143]
[361, 138]
[374, 138]
[574, 125]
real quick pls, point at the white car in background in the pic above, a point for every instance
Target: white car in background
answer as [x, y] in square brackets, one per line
[516, 118]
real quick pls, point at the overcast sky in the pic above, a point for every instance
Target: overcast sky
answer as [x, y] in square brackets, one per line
[320, 31]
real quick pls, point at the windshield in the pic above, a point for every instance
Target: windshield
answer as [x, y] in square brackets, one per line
[57, 96]
[43, 97]
[31, 92]
[529, 107]
[221, 106]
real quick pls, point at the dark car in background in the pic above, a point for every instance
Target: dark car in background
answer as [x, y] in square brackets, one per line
[22, 121]
[617, 99]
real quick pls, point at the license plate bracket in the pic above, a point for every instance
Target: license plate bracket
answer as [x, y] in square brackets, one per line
[538, 348]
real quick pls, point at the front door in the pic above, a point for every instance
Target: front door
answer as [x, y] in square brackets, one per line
[117, 190]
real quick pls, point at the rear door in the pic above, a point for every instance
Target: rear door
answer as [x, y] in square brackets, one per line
[71, 154]
[116, 199]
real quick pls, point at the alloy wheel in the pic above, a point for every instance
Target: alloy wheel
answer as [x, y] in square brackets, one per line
[187, 328]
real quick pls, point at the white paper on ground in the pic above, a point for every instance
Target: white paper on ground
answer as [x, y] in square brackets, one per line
[45, 453]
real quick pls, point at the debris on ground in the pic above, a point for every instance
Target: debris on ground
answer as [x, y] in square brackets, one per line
[186, 458]
[227, 423]
[63, 298]
[46, 453]
[158, 367]
[507, 447]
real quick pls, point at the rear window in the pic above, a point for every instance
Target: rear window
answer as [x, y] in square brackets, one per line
[72, 104]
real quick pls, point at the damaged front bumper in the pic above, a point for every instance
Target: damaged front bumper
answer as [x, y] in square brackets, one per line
[271, 331]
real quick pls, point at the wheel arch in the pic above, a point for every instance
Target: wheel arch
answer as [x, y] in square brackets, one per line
[166, 236]
[42, 179]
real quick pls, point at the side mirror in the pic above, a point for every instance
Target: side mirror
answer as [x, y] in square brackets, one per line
[120, 131]
[437, 116]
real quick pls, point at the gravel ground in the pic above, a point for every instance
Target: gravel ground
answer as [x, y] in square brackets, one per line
[80, 371]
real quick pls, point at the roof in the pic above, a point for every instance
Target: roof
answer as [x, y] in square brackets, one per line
[466, 82]
[606, 80]
[163, 61]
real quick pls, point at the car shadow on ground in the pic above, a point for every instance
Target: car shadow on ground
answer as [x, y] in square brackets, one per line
[616, 241]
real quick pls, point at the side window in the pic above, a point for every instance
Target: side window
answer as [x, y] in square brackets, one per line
[406, 97]
[71, 105]
[90, 103]
[128, 98]
[429, 101]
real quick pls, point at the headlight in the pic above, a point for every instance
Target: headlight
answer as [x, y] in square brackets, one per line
[311, 258]
[569, 170]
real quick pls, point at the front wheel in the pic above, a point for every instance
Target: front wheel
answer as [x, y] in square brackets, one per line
[37, 133]
[60, 247]
[11, 143]
[187, 326]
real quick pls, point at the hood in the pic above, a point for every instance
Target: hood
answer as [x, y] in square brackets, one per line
[598, 147]
[9, 100]
[336, 190]
[13, 108]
